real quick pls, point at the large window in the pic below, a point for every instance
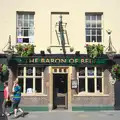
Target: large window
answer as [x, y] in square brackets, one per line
[25, 27]
[31, 79]
[90, 80]
[93, 27]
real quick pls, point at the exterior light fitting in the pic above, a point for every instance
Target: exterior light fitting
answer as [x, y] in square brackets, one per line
[110, 50]
[10, 49]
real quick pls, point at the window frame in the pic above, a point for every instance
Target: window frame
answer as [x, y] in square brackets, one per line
[86, 77]
[91, 29]
[25, 76]
[23, 28]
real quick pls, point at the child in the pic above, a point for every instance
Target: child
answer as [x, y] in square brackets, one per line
[16, 98]
[5, 107]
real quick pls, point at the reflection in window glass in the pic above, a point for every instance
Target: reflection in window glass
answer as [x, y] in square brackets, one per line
[93, 17]
[38, 84]
[81, 71]
[88, 17]
[94, 25]
[91, 85]
[21, 83]
[99, 84]
[87, 38]
[20, 71]
[93, 38]
[29, 84]
[81, 84]
[38, 71]
[99, 71]
[99, 38]
[90, 71]
[29, 71]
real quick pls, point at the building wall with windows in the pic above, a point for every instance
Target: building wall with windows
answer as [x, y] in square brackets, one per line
[86, 81]
[41, 20]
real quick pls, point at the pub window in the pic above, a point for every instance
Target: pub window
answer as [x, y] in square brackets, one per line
[20, 71]
[82, 84]
[21, 83]
[90, 71]
[90, 80]
[30, 79]
[82, 71]
[29, 71]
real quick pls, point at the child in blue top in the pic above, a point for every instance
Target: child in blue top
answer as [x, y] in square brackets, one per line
[16, 98]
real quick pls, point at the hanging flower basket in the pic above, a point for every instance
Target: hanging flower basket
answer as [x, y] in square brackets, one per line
[94, 51]
[25, 50]
[4, 72]
[115, 72]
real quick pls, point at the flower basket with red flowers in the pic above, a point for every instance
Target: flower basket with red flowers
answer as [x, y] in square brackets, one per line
[25, 50]
[115, 72]
[94, 51]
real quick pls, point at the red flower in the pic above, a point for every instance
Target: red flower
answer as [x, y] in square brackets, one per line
[25, 49]
[115, 69]
[86, 45]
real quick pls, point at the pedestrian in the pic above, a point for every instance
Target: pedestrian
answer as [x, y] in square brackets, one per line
[5, 106]
[16, 98]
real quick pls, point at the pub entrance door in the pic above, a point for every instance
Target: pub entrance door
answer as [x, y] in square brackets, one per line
[60, 91]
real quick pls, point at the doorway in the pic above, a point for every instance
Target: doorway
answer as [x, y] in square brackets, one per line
[60, 91]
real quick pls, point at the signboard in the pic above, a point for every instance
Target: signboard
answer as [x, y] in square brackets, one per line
[58, 60]
[74, 84]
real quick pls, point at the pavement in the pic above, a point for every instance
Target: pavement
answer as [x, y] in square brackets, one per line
[66, 115]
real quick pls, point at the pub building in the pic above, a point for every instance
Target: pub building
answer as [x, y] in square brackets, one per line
[47, 52]
[61, 81]
[71, 81]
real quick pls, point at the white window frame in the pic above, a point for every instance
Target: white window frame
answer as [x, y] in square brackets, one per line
[86, 77]
[33, 76]
[94, 28]
[23, 28]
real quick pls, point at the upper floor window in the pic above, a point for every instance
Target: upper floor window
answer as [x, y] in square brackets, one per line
[25, 27]
[93, 27]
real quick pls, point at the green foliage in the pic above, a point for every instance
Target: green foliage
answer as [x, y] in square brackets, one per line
[94, 51]
[4, 72]
[115, 71]
[4, 68]
[25, 50]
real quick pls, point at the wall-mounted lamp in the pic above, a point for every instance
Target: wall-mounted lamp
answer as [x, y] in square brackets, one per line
[110, 50]
[10, 49]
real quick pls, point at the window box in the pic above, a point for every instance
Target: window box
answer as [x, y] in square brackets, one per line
[94, 51]
[25, 50]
